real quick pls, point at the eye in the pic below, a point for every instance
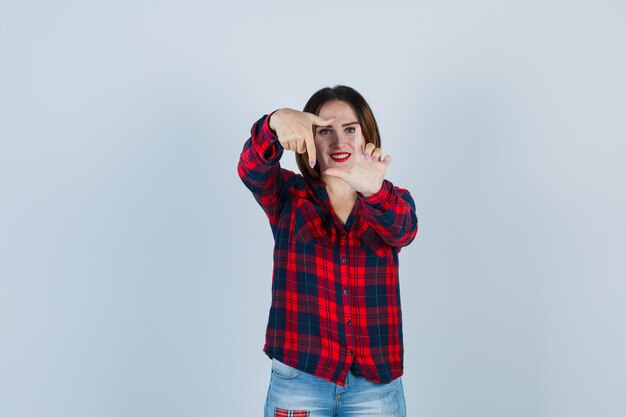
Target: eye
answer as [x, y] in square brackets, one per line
[323, 132]
[350, 129]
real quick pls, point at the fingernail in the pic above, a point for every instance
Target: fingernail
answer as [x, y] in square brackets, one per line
[365, 156]
[312, 164]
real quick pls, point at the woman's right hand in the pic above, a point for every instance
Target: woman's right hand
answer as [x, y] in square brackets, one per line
[295, 130]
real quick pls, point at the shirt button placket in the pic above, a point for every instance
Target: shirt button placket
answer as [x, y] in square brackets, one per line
[345, 266]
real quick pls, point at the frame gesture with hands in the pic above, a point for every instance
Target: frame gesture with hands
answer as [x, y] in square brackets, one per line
[368, 172]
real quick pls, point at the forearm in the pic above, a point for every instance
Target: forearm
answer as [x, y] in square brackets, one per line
[391, 213]
[260, 170]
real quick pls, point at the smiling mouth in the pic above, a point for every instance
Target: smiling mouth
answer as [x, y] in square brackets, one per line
[340, 156]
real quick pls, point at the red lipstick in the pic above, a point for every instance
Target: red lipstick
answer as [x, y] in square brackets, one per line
[340, 156]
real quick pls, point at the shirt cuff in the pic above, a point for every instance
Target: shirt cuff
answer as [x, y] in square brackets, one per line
[381, 199]
[266, 142]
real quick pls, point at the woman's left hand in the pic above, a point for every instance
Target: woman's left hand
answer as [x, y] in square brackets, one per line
[368, 172]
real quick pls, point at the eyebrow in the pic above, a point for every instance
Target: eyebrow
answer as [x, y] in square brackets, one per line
[343, 125]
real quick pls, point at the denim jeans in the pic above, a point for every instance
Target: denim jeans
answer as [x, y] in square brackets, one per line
[293, 393]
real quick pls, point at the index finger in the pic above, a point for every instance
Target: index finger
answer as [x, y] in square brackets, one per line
[310, 149]
[310, 142]
[318, 121]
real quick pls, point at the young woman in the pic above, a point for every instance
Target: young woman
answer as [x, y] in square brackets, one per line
[335, 325]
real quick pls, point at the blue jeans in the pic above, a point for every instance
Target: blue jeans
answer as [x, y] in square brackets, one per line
[296, 393]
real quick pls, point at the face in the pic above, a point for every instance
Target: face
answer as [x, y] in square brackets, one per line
[334, 144]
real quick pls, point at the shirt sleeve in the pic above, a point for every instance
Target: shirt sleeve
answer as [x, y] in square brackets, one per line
[391, 212]
[259, 169]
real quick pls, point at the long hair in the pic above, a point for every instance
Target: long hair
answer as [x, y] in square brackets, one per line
[369, 127]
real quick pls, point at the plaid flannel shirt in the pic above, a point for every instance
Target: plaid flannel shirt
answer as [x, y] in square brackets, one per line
[335, 290]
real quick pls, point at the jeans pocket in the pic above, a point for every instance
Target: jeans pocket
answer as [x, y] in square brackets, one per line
[393, 401]
[284, 371]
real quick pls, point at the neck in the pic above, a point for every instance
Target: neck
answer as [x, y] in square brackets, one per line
[338, 187]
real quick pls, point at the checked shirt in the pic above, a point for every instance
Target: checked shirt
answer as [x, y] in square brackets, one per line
[335, 290]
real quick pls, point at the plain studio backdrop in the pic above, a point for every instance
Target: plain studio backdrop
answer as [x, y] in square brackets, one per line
[135, 268]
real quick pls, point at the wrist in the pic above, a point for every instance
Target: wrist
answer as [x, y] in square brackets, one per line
[371, 192]
[272, 119]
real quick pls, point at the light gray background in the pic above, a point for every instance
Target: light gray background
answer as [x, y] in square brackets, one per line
[135, 267]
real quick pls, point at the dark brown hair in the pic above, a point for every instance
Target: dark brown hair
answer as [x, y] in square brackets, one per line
[369, 127]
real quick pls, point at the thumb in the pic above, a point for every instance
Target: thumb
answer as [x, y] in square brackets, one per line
[336, 172]
[318, 121]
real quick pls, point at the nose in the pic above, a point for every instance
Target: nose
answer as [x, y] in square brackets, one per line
[340, 139]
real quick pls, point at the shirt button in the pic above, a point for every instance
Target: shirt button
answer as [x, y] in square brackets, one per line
[349, 322]
[344, 260]
[346, 292]
[351, 352]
